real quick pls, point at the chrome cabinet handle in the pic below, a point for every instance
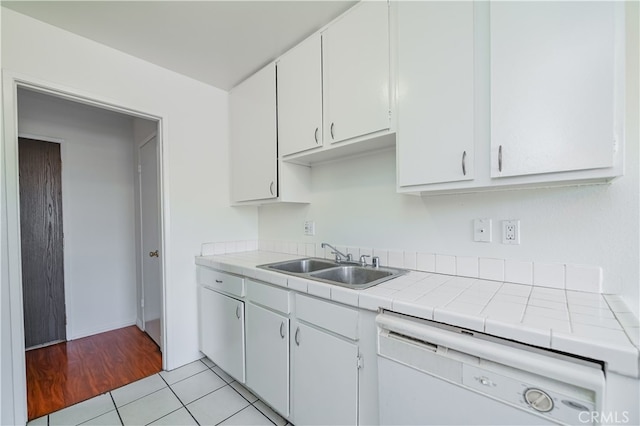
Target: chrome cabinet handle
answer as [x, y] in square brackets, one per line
[238, 311]
[315, 135]
[464, 163]
[153, 253]
[297, 336]
[219, 281]
[500, 158]
[332, 137]
[282, 329]
[271, 188]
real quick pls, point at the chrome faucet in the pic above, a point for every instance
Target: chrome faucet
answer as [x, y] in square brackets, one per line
[340, 257]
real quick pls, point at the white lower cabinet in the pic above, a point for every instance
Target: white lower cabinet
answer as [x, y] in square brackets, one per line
[324, 378]
[222, 331]
[268, 356]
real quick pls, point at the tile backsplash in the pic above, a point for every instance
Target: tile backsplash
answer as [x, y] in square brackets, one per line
[587, 278]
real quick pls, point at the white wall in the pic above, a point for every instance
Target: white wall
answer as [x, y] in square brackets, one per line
[98, 208]
[354, 203]
[195, 144]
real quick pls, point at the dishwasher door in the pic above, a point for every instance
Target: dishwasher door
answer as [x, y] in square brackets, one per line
[412, 397]
[429, 373]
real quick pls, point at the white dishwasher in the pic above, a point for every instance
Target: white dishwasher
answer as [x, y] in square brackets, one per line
[432, 373]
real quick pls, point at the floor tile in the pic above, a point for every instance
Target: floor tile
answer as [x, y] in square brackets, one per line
[224, 376]
[108, 419]
[267, 411]
[83, 411]
[183, 372]
[217, 406]
[249, 416]
[179, 417]
[197, 386]
[40, 421]
[246, 394]
[149, 408]
[137, 390]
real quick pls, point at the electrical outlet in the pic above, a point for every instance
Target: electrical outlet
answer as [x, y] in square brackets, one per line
[309, 227]
[482, 230]
[510, 232]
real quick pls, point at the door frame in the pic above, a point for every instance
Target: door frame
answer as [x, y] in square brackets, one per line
[64, 182]
[10, 220]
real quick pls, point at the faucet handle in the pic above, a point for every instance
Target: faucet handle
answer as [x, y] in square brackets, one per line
[363, 259]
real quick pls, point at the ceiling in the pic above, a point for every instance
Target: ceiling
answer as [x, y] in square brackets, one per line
[217, 42]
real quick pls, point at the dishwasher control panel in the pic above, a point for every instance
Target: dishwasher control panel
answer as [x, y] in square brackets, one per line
[536, 394]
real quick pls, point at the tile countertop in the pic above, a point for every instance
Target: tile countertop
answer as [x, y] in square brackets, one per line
[587, 324]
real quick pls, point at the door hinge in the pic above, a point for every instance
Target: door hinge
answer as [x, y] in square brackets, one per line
[360, 362]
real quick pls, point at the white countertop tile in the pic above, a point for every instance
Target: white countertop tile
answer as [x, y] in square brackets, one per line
[585, 324]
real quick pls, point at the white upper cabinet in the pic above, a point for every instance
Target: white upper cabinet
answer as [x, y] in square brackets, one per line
[435, 54]
[356, 73]
[300, 97]
[552, 86]
[253, 137]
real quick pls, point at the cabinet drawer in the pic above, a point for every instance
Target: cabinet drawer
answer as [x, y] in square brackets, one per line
[222, 281]
[268, 296]
[338, 319]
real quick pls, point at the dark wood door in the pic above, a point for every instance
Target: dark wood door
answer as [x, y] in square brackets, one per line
[42, 242]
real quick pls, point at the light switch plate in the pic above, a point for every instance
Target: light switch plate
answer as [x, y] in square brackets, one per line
[309, 227]
[482, 230]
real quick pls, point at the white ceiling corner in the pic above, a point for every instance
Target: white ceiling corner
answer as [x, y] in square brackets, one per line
[217, 42]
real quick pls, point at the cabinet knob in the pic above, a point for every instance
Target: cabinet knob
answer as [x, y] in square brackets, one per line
[282, 329]
[315, 135]
[297, 336]
[464, 163]
[238, 311]
[271, 188]
[153, 253]
[332, 137]
[500, 158]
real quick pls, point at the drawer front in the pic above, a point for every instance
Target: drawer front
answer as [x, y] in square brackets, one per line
[222, 281]
[330, 316]
[268, 296]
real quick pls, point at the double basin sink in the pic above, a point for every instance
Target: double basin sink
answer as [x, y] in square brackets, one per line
[351, 275]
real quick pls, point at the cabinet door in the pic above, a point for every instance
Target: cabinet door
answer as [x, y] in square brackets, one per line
[268, 356]
[552, 86]
[222, 331]
[356, 72]
[325, 378]
[436, 93]
[300, 98]
[253, 137]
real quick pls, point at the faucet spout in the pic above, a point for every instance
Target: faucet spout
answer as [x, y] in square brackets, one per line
[339, 255]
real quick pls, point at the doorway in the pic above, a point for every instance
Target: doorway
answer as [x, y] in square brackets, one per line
[41, 236]
[89, 194]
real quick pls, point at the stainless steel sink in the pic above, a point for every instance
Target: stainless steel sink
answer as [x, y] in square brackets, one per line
[301, 266]
[353, 275]
[349, 275]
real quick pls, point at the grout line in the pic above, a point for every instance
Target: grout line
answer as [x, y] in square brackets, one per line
[183, 404]
[238, 412]
[117, 411]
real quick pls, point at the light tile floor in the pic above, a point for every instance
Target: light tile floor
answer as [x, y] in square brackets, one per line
[199, 393]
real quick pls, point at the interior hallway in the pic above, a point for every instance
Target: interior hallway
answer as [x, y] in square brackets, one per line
[66, 373]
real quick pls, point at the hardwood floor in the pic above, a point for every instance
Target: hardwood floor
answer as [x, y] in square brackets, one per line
[66, 373]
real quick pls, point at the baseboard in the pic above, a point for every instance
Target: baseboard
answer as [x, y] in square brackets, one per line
[90, 332]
